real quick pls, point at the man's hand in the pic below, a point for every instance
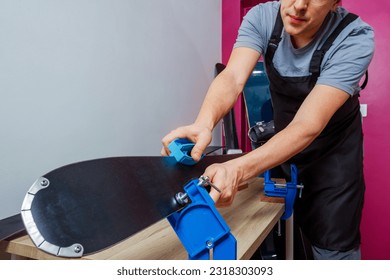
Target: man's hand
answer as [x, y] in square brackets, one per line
[199, 135]
[225, 176]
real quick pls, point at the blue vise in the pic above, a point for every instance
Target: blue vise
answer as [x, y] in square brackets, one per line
[288, 191]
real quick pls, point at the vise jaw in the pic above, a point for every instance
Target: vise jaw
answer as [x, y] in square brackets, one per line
[287, 191]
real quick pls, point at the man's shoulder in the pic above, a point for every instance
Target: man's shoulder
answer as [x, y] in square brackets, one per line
[264, 11]
[257, 25]
[354, 26]
[351, 34]
[349, 56]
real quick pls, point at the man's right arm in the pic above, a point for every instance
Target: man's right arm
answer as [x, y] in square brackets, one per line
[227, 86]
[220, 98]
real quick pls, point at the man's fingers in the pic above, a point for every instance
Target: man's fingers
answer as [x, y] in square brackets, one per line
[170, 137]
[164, 152]
[200, 136]
[177, 133]
[198, 149]
[215, 195]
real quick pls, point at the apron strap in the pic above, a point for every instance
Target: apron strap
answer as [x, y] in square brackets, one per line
[365, 81]
[318, 55]
[275, 38]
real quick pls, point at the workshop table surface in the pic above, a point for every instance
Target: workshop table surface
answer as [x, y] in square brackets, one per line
[250, 219]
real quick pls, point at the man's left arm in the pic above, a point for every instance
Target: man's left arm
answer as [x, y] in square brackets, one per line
[311, 118]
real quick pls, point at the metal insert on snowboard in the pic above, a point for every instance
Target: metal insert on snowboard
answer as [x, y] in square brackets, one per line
[75, 250]
[200, 227]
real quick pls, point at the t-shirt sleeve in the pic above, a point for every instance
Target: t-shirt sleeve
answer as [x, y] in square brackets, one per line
[256, 27]
[347, 63]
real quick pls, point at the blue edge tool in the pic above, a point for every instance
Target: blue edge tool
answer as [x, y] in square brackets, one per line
[199, 226]
[181, 149]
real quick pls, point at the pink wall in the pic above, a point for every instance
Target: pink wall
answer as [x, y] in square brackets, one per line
[230, 24]
[376, 215]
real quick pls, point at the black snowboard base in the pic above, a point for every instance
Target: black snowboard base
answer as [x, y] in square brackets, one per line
[88, 206]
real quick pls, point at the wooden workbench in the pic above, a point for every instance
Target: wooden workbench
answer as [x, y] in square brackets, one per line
[249, 218]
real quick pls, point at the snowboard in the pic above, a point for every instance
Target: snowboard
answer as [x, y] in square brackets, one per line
[11, 226]
[88, 206]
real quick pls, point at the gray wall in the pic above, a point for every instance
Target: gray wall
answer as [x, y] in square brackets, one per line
[82, 79]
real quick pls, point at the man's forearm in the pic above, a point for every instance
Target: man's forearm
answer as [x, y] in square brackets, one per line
[277, 150]
[220, 98]
[312, 117]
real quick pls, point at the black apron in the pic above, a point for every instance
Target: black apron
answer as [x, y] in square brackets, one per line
[331, 168]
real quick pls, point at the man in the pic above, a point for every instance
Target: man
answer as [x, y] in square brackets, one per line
[315, 54]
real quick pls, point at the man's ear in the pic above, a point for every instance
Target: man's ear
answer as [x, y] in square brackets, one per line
[335, 5]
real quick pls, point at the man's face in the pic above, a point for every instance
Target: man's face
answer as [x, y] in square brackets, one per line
[303, 18]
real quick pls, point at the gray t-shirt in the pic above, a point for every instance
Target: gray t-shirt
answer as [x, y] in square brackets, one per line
[343, 65]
